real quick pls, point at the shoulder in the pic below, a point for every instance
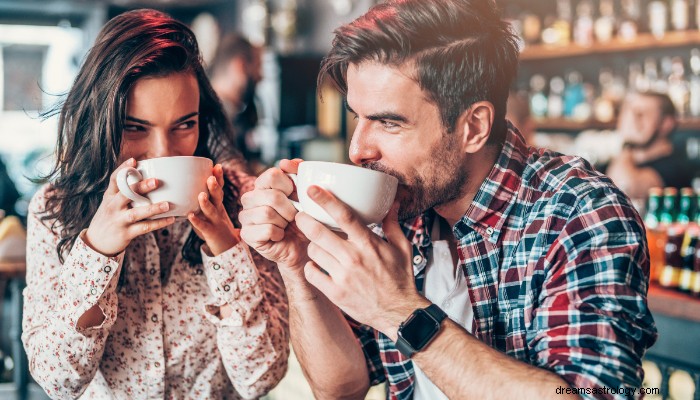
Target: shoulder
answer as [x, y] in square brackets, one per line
[38, 203]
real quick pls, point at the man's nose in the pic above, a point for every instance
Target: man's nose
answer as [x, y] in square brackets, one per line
[363, 147]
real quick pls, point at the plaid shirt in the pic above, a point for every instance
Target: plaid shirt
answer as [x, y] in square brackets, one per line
[557, 265]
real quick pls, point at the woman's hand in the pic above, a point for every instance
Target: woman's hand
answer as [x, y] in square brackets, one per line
[115, 225]
[212, 223]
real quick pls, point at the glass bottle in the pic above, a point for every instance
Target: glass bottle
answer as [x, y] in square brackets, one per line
[668, 210]
[685, 278]
[673, 259]
[658, 16]
[538, 100]
[694, 86]
[695, 277]
[605, 23]
[562, 25]
[678, 88]
[629, 25]
[583, 27]
[555, 102]
[679, 15]
[685, 213]
[656, 235]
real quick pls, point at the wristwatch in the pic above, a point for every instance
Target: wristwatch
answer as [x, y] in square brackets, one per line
[419, 329]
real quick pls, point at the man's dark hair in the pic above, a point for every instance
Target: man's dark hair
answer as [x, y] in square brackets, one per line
[464, 52]
[232, 45]
[668, 109]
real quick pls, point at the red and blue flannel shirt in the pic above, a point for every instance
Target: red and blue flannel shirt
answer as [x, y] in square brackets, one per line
[557, 265]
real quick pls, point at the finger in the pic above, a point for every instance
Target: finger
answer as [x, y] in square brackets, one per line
[341, 213]
[208, 209]
[215, 190]
[198, 223]
[323, 237]
[151, 225]
[325, 259]
[272, 198]
[275, 178]
[112, 188]
[145, 186]
[321, 281]
[262, 215]
[392, 229]
[219, 174]
[259, 235]
[137, 214]
[290, 166]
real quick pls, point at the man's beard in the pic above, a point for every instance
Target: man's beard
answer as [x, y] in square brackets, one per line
[445, 181]
[642, 146]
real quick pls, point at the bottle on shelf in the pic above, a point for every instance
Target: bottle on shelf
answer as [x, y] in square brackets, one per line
[695, 276]
[680, 17]
[605, 24]
[694, 86]
[631, 15]
[668, 207]
[574, 94]
[531, 28]
[678, 87]
[583, 27]
[656, 234]
[658, 18]
[538, 100]
[685, 278]
[673, 259]
[686, 207]
[559, 31]
[555, 101]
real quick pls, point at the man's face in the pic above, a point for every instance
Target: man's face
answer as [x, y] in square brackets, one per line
[640, 120]
[400, 132]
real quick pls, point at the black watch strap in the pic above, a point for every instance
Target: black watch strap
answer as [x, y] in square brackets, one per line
[435, 313]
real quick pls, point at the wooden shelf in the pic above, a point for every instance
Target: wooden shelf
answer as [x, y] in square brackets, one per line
[644, 41]
[673, 304]
[565, 125]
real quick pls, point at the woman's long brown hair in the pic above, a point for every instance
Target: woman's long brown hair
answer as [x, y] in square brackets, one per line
[131, 46]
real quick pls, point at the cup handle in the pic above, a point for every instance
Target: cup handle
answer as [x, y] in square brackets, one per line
[123, 177]
[296, 204]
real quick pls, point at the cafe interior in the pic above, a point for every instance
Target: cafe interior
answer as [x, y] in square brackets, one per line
[579, 62]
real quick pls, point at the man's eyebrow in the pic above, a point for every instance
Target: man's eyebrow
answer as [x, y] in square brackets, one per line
[390, 116]
[147, 123]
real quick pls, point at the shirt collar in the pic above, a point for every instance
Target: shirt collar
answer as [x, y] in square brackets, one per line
[490, 208]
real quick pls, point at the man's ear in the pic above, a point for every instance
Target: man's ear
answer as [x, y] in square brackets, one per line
[475, 124]
[668, 125]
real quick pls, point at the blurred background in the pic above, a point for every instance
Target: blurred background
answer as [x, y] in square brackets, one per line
[580, 60]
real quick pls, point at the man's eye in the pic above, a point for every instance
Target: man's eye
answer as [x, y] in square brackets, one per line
[388, 124]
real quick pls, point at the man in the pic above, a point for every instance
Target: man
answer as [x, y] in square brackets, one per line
[649, 157]
[539, 261]
[235, 72]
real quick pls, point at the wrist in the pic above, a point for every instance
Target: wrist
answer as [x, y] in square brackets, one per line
[85, 237]
[392, 319]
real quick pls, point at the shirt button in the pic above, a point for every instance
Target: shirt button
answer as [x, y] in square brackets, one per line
[154, 318]
[489, 231]
[93, 291]
[217, 266]
[200, 271]
[157, 364]
[417, 259]
[152, 271]
[108, 269]
[227, 288]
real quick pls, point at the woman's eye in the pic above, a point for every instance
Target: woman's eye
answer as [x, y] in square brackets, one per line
[187, 125]
[133, 128]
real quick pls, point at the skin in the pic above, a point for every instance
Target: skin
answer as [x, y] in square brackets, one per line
[162, 121]
[399, 131]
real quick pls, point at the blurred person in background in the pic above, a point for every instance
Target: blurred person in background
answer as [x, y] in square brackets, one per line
[235, 73]
[8, 192]
[649, 157]
[120, 303]
[502, 271]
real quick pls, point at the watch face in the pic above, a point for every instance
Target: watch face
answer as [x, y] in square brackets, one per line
[419, 329]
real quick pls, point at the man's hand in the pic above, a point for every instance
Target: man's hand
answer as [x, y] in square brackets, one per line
[368, 278]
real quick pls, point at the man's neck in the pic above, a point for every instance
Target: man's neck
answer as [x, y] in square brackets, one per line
[477, 167]
[656, 150]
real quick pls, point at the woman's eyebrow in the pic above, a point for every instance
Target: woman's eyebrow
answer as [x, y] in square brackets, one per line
[147, 123]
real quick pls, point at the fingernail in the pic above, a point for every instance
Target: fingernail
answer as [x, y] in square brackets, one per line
[313, 191]
[164, 206]
[152, 183]
[131, 161]
[203, 196]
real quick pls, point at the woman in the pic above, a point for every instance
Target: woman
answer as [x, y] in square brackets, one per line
[122, 305]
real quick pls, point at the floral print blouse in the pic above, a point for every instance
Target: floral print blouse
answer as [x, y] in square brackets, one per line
[161, 338]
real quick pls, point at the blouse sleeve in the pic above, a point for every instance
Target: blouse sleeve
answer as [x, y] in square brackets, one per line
[63, 358]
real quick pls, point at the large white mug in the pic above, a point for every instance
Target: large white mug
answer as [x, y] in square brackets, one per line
[369, 193]
[181, 179]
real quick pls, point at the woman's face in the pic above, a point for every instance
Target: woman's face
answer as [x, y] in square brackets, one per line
[162, 117]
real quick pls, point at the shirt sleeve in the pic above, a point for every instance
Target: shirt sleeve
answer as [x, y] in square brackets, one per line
[370, 348]
[63, 359]
[254, 339]
[592, 325]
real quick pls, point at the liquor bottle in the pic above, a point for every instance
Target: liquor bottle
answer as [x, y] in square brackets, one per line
[656, 234]
[563, 23]
[673, 259]
[605, 23]
[604, 105]
[555, 102]
[694, 88]
[658, 15]
[668, 210]
[532, 28]
[631, 15]
[583, 27]
[685, 215]
[573, 93]
[685, 278]
[678, 88]
[695, 277]
[538, 100]
[679, 15]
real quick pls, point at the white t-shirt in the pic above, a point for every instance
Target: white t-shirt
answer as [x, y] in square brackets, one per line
[445, 286]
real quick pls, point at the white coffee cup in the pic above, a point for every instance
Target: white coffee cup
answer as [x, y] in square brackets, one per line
[369, 193]
[181, 179]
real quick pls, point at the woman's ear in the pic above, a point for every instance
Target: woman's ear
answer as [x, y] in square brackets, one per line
[475, 125]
